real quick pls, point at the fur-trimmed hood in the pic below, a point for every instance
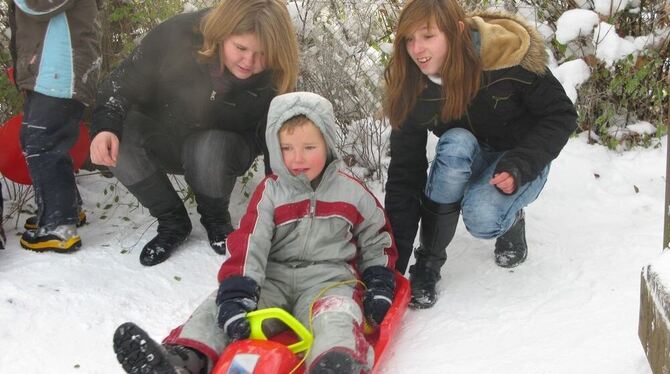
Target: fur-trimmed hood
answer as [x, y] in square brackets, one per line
[507, 40]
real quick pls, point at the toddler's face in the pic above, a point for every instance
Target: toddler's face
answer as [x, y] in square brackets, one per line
[304, 150]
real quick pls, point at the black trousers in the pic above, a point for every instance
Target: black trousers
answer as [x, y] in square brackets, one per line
[210, 160]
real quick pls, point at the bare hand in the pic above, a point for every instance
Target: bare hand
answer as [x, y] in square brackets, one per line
[504, 181]
[105, 148]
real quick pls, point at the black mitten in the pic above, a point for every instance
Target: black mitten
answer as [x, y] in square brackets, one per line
[380, 283]
[236, 297]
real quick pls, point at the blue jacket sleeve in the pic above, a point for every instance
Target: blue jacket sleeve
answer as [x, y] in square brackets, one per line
[43, 10]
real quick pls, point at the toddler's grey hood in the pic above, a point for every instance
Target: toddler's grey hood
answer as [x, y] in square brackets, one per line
[286, 106]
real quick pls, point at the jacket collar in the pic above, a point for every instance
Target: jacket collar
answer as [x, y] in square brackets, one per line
[507, 40]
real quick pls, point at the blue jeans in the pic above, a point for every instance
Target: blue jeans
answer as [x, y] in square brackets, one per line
[461, 172]
[50, 128]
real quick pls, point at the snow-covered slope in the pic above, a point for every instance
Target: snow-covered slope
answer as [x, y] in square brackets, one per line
[571, 308]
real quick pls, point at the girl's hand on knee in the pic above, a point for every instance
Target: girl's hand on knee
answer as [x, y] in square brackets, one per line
[105, 148]
[504, 182]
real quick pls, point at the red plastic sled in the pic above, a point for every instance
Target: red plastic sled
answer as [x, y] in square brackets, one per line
[275, 356]
[13, 164]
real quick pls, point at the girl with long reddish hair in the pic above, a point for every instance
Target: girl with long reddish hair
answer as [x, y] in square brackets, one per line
[480, 83]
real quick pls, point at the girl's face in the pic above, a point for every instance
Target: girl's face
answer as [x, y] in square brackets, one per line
[427, 46]
[243, 55]
[304, 150]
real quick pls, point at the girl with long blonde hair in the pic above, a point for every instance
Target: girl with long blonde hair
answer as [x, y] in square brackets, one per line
[192, 99]
[481, 84]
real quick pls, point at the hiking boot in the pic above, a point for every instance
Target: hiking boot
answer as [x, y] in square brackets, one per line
[63, 238]
[335, 362]
[138, 353]
[423, 282]
[511, 248]
[31, 222]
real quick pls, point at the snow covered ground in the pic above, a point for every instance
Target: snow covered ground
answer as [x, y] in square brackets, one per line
[571, 308]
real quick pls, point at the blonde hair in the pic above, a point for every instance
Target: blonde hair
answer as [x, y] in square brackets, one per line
[295, 122]
[269, 21]
[461, 72]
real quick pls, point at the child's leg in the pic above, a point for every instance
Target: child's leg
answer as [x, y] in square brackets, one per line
[337, 325]
[50, 127]
[201, 331]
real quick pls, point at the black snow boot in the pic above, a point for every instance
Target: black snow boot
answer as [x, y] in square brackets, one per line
[511, 247]
[157, 194]
[173, 229]
[335, 362]
[438, 225]
[139, 354]
[215, 218]
[423, 281]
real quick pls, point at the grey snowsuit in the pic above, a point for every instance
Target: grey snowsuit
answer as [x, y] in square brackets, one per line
[295, 241]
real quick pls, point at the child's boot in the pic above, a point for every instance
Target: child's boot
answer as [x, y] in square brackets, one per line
[511, 247]
[438, 225]
[335, 362]
[62, 238]
[138, 353]
[31, 222]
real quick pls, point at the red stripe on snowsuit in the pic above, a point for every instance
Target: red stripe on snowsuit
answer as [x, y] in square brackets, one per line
[174, 339]
[295, 211]
[392, 251]
[291, 212]
[346, 211]
[238, 241]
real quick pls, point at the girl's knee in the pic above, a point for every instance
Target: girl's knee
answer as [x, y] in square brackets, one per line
[457, 143]
[483, 222]
[457, 136]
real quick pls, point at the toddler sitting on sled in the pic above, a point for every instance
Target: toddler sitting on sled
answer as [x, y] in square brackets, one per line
[312, 236]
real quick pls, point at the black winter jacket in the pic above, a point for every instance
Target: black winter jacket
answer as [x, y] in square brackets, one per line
[521, 109]
[163, 80]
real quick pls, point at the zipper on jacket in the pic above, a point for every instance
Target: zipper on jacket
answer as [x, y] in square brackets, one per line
[312, 212]
[212, 97]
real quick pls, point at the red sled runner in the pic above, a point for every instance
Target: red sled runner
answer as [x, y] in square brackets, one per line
[279, 354]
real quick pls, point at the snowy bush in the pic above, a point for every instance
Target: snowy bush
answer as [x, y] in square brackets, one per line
[613, 58]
